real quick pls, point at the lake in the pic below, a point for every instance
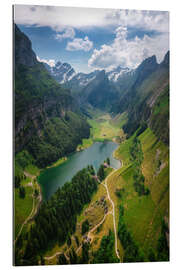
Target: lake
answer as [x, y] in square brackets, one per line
[53, 178]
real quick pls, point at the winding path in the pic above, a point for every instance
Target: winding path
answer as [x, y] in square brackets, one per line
[34, 210]
[97, 225]
[77, 250]
[113, 212]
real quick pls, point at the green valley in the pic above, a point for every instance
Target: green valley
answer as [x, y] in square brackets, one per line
[104, 127]
[91, 161]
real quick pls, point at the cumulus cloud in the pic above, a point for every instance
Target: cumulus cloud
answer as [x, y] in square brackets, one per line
[50, 62]
[129, 53]
[66, 33]
[143, 19]
[80, 44]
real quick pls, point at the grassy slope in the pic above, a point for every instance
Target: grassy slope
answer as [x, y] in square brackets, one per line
[119, 120]
[104, 127]
[23, 207]
[143, 214]
[94, 213]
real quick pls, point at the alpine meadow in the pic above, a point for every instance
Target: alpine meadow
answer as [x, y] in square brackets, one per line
[91, 135]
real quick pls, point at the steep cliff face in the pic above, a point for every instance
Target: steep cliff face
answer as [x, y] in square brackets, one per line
[23, 49]
[141, 99]
[39, 99]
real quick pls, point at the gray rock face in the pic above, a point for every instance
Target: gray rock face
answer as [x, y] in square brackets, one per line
[23, 49]
[61, 72]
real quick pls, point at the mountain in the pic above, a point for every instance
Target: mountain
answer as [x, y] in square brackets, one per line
[48, 123]
[80, 80]
[117, 73]
[122, 89]
[149, 90]
[23, 52]
[61, 72]
[99, 92]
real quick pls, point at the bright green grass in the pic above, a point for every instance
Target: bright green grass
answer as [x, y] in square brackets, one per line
[23, 207]
[119, 120]
[58, 162]
[123, 151]
[107, 171]
[162, 106]
[32, 169]
[155, 151]
[103, 129]
[143, 214]
[85, 144]
[95, 128]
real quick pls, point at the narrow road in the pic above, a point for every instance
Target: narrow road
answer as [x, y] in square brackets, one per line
[53, 256]
[113, 212]
[77, 250]
[34, 210]
[97, 225]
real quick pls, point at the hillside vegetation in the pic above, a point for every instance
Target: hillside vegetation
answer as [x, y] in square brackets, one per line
[116, 215]
[143, 213]
[48, 123]
[147, 99]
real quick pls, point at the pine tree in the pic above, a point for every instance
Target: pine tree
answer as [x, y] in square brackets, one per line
[100, 173]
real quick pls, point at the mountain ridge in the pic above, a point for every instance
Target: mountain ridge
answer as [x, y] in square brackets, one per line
[43, 107]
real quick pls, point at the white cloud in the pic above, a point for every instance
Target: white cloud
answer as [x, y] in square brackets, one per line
[121, 51]
[146, 19]
[58, 17]
[80, 44]
[50, 62]
[129, 53]
[66, 33]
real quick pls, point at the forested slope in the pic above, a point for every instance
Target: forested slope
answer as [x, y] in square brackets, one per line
[48, 123]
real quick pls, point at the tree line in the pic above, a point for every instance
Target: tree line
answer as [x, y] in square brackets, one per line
[137, 158]
[56, 220]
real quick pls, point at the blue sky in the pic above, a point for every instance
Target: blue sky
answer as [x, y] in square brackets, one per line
[91, 39]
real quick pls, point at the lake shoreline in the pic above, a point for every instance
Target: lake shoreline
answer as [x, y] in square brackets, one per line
[53, 177]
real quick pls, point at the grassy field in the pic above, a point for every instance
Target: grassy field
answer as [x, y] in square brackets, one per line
[119, 120]
[23, 207]
[85, 144]
[143, 214]
[155, 168]
[104, 127]
[26, 206]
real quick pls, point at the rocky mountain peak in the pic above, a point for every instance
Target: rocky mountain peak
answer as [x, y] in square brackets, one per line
[148, 63]
[61, 72]
[165, 61]
[23, 49]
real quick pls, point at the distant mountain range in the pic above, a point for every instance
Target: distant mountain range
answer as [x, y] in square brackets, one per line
[136, 91]
[98, 88]
[63, 73]
[122, 89]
